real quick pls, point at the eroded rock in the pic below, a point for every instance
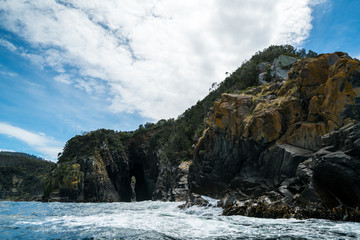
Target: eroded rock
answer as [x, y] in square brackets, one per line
[287, 138]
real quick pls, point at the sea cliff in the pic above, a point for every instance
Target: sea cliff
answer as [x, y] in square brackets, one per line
[287, 147]
[100, 166]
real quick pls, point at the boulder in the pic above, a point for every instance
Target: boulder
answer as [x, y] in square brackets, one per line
[263, 78]
[281, 66]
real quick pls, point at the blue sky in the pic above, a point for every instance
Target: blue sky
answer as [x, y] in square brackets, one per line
[335, 27]
[72, 66]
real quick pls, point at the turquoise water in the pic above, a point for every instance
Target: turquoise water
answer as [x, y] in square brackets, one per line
[153, 220]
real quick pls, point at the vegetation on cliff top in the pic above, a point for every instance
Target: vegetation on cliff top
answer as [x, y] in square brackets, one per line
[89, 142]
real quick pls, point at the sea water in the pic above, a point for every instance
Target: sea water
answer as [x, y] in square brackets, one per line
[154, 220]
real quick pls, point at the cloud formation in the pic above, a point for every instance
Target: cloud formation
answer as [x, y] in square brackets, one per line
[153, 57]
[7, 44]
[40, 142]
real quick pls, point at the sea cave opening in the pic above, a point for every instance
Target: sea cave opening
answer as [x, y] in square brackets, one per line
[137, 179]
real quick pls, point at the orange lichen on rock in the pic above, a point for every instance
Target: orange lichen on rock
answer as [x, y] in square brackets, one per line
[321, 94]
[265, 127]
[341, 91]
[230, 112]
[305, 135]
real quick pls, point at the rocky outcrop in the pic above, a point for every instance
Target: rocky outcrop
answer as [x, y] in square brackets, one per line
[103, 166]
[326, 185]
[286, 144]
[336, 171]
[281, 66]
[277, 70]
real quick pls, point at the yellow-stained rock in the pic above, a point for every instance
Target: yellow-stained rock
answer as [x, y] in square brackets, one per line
[265, 128]
[321, 95]
[341, 92]
[305, 135]
[230, 112]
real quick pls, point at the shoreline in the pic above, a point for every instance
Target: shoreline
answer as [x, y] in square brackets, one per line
[258, 208]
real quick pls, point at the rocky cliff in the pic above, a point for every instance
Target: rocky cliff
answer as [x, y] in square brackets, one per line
[290, 146]
[286, 144]
[107, 166]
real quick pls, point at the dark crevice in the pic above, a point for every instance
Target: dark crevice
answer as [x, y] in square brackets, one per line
[141, 188]
[120, 184]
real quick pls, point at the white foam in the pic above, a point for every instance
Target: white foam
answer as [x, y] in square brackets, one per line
[113, 220]
[212, 201]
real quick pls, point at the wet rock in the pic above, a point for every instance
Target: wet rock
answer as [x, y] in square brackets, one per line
[195, 200]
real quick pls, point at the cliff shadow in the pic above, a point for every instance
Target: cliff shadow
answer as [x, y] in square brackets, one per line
[140, 186]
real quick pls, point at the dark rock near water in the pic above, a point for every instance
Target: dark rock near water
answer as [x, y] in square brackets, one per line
[218, 161]
[281, 162]
[336, 174]
[324, 184]
[114, 169]
[294, 151]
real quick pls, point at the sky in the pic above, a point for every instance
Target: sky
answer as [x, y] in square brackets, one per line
[68, 67]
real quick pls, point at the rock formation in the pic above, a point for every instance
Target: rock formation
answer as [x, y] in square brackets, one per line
[294, 142]
[287, 147]
[104, 166]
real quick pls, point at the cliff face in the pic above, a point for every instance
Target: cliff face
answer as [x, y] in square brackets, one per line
[269, 141]
[289, 147]
[99, 175]
[99, 167]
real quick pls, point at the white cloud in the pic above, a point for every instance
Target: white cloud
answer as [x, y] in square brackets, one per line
[11, 74]
[63, 78]
[156, 57]
[316, 2]
[40, 142]
[7, 44]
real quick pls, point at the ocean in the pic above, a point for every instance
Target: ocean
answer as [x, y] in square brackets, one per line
[154, 220]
